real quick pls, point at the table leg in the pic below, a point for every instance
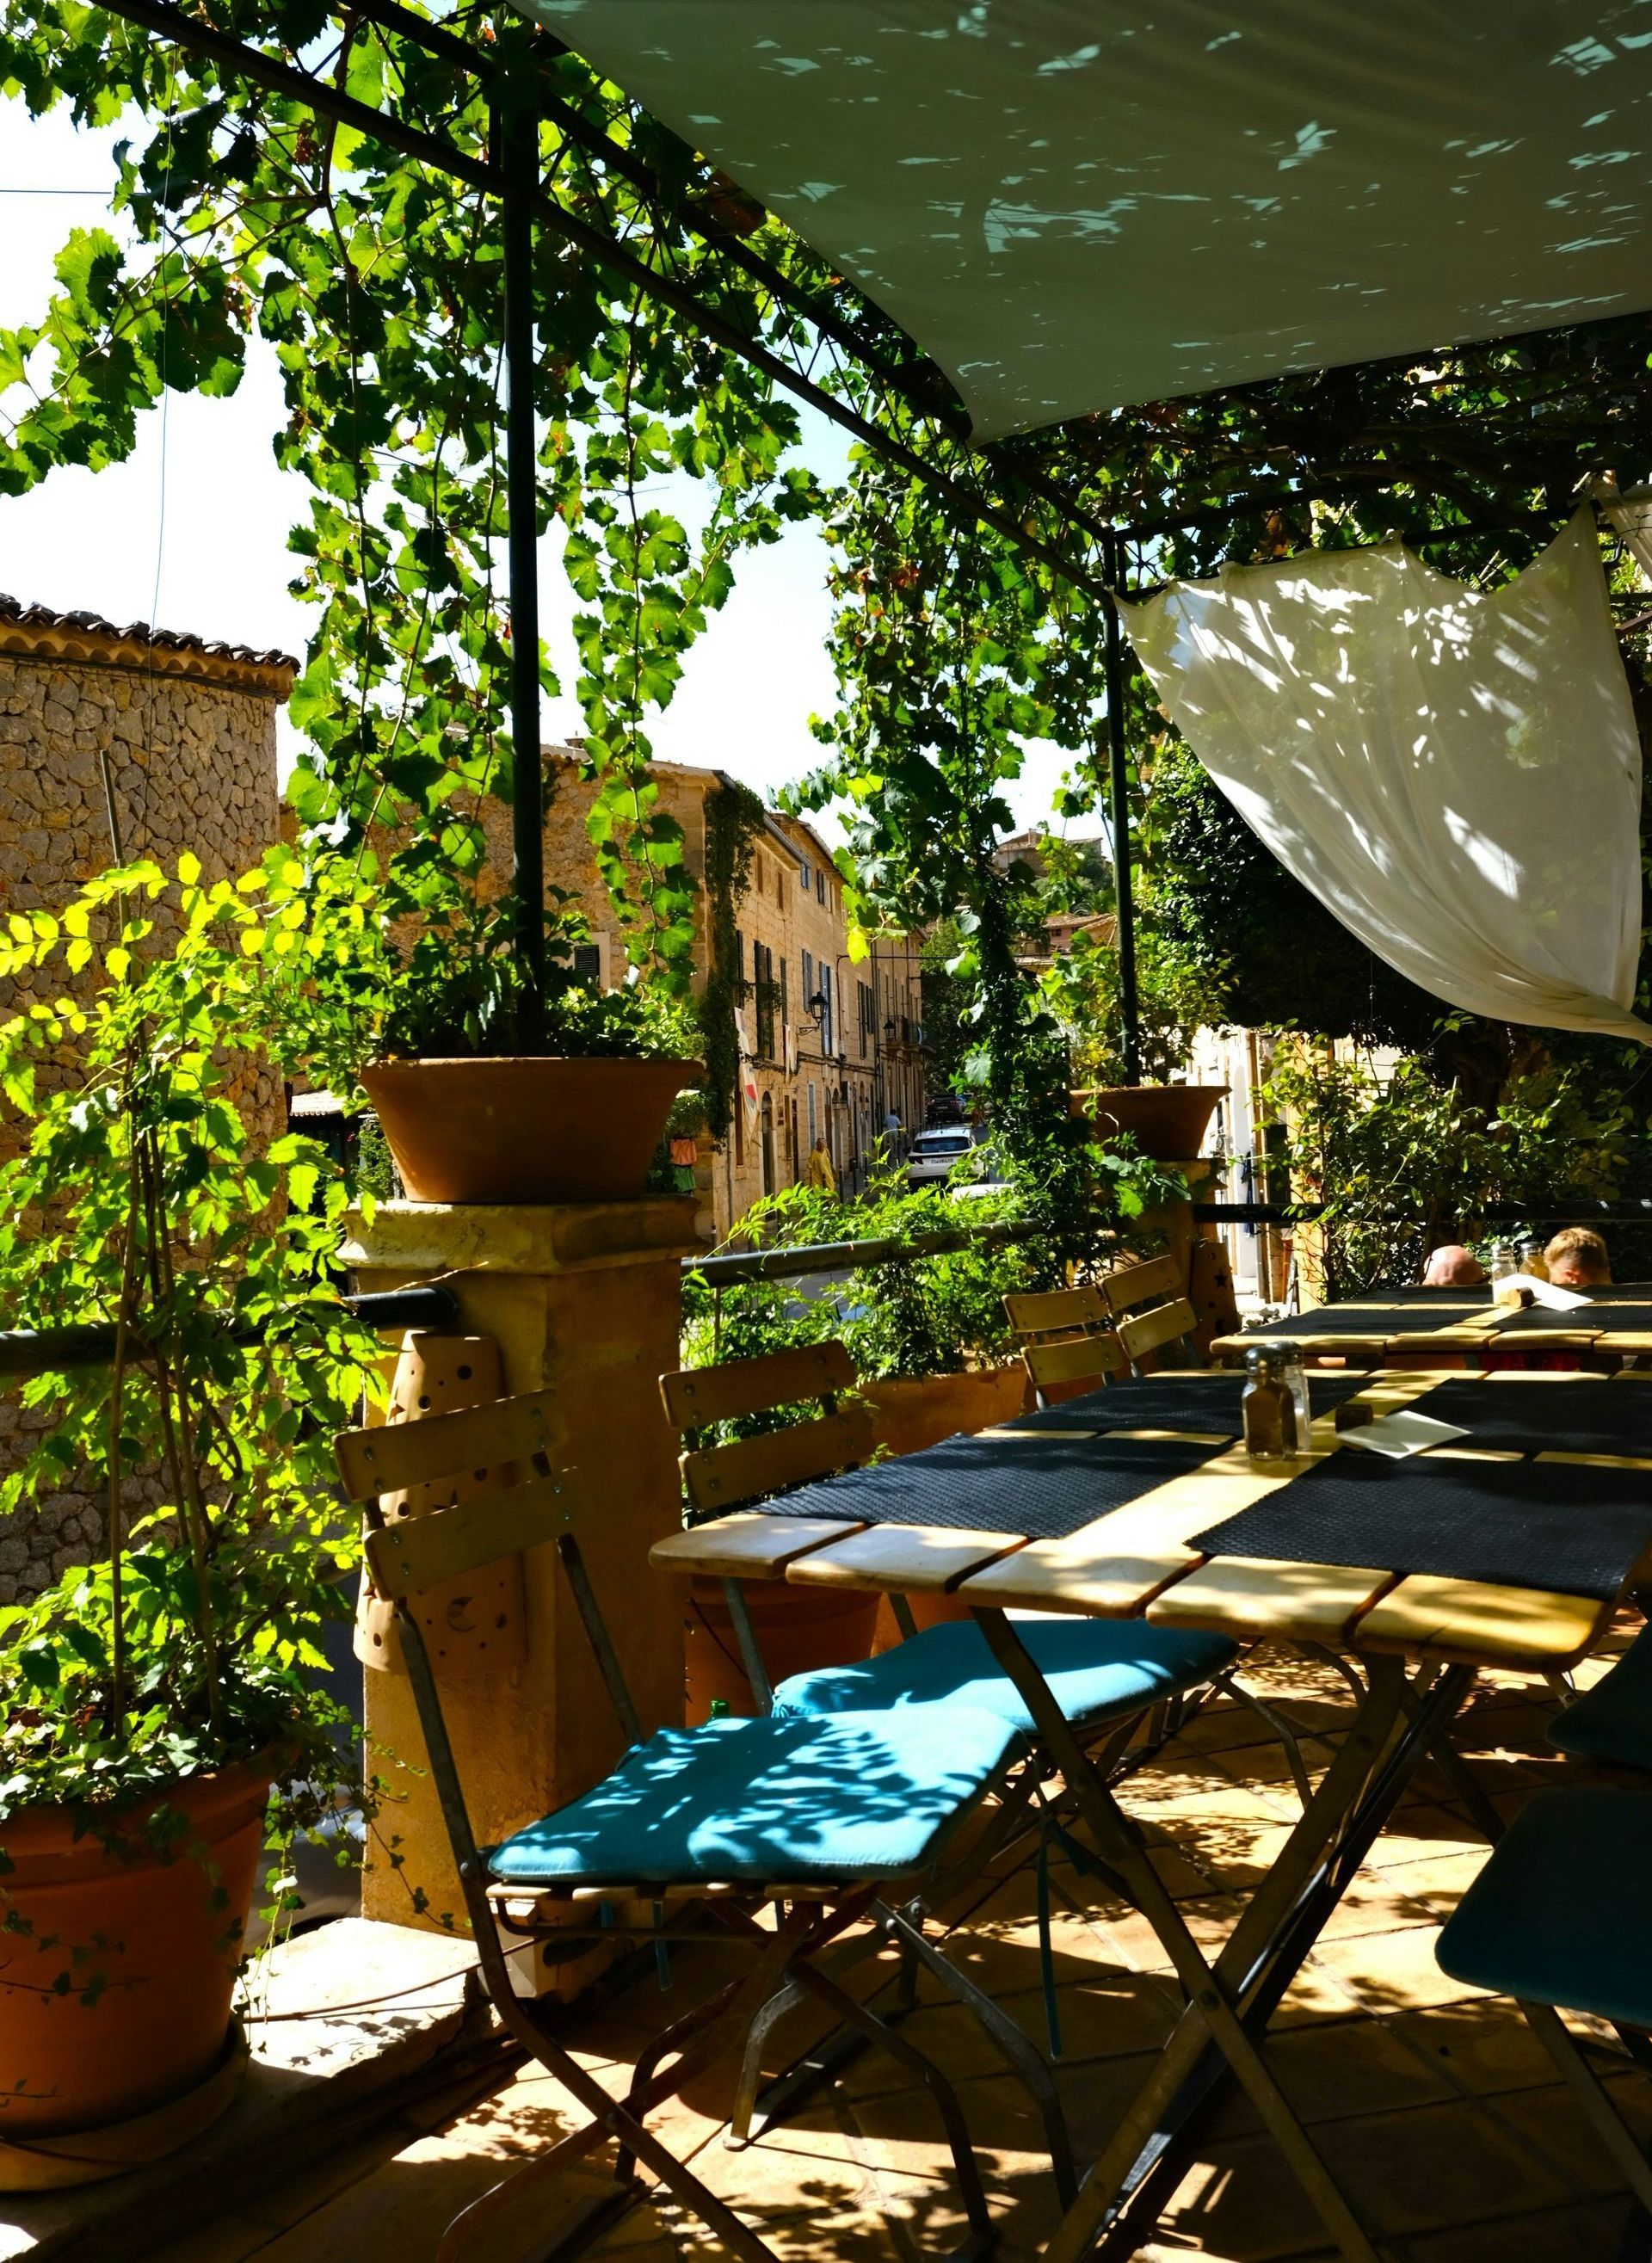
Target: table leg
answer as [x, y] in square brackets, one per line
[1155, 2177]
[1212, 2013]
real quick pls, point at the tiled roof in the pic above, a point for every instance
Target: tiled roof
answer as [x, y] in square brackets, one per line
[84, 639]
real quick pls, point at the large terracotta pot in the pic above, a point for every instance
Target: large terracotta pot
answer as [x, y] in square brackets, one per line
[912, 1412]
[798, 1629]
[1168, 1121]
[525, 1130]
[154, 1938]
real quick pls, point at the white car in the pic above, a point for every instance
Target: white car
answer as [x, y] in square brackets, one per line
[932, 1155]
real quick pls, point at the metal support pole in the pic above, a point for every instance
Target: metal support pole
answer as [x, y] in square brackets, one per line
[1119, 782]
[519, 162]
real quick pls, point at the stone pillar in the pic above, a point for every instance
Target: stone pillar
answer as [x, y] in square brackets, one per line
[583, 1299]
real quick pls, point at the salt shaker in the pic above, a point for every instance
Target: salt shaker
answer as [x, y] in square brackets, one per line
[1267, 1408]
[1294, 1376]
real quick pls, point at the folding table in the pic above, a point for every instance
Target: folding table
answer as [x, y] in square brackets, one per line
[1388, 1324]
[1162, 1552]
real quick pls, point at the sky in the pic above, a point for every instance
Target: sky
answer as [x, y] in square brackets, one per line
[191, 531]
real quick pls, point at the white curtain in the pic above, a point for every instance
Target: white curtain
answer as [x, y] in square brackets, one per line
[1456, 774]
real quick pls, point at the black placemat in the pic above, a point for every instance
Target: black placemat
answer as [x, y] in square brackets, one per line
[1416, 1319]
[1573, 1414]
[1563, 1525]
[1610, 1317]
[1043, 1487]
[1176, 1402]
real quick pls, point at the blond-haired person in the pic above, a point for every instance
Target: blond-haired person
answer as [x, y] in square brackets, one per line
[1578, 1259]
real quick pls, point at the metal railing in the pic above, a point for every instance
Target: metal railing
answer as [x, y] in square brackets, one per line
[42, 1351]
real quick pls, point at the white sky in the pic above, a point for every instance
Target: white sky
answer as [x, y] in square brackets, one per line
[191, 530]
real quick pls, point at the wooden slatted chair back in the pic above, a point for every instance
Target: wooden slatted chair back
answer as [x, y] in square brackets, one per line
[1149, 1284]
[741, 1470]
[1066, 1336]
[1079, 1359]
[1157, 1284]
[410, 1554]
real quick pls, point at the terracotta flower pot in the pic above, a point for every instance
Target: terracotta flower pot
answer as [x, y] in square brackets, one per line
[152, 1935]
[1168, 1121]
[912, 1412]
[798, 1630]
[525, 1130]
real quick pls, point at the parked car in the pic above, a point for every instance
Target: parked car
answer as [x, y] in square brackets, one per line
[933, 1154]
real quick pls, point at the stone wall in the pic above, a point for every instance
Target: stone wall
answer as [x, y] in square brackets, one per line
[188, 729]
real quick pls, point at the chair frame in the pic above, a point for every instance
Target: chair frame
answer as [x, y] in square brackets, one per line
[696, 1396]
[1064, 1335]
[406, 1558]
[1170, 1318]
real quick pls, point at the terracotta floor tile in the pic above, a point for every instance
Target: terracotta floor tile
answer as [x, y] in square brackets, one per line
[1481, 2044]
[1420, 1833]
[1587, 2232]
[1552, 2122]
[1442, 2164]
[311, 2187]
[1241, 2202]
[1350, 2067]
[1404, 1894]
[399, 2211]
[232, 2239]
[1392, 1971]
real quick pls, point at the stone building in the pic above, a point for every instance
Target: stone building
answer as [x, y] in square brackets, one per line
[187, 731]
[826, 1042]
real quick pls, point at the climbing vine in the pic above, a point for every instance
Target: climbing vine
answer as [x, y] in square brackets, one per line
[733, 818]
[377, 280]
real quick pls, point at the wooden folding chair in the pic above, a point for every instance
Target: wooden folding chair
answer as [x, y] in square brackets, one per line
[1560, 1919]
[817, 1819]
[1064, 1335]
[719, 1476]
[1109, 1675]
[1169, 1317]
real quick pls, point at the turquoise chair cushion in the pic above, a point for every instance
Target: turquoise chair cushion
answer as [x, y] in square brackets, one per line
[858, 1796]
[1613, 1720]
[1561, 1913]
[1098, 1670]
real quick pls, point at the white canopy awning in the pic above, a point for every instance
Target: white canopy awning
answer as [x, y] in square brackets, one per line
[1075, 203]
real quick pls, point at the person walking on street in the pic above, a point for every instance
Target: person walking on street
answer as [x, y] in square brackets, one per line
[818, 1168]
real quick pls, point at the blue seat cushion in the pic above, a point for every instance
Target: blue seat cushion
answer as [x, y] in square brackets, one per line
[1099, 1670]
[1613, 1720]
[1561, 1913]
[858, 1796]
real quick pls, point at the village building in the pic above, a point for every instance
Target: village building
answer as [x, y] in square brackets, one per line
[829, 1045]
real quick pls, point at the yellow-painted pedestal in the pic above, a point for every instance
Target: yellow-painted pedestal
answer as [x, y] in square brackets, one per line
[584, 1299]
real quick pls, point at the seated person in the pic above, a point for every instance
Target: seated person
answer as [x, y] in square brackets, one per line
[1576, 1259]
[1452, 1267]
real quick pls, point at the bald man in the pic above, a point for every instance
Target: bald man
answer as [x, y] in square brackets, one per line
[1452, 1267]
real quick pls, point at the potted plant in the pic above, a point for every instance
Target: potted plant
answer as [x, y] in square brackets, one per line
[929, 1338]
[488, 1094]
[159, 1692]
[1167, 1121]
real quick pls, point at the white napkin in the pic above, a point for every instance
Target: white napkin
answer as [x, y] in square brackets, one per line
[1402, 1434]
[1543, 1292]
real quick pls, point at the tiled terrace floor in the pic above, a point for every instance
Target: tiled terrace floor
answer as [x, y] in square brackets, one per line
[1432, 2103]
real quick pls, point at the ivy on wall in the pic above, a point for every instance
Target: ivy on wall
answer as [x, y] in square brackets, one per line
[734, 819]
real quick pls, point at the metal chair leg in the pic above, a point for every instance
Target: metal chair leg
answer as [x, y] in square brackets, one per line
[739, 2133]
[1279, 1726]
[984, 2236]
[1020, 2053]
[1602, 2117]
